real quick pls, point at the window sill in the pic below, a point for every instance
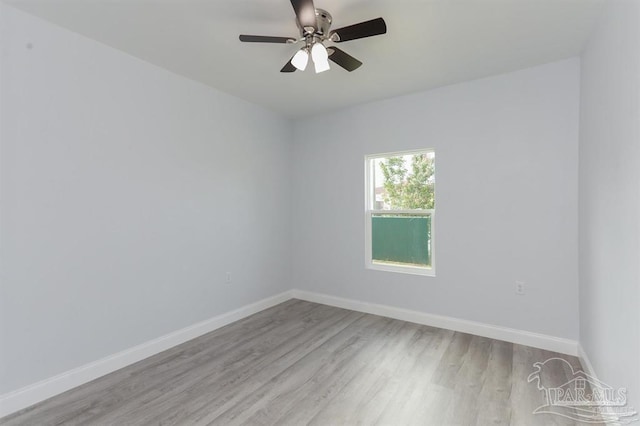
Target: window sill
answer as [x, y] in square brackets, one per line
[412, 270]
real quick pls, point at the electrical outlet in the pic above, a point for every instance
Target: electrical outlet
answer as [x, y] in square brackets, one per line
[228, 278]
[520, 288]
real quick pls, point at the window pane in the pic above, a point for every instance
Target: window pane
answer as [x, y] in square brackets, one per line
[403, 182]
[401, 239]
[401, 192]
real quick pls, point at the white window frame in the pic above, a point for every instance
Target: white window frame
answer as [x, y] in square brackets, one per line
[370, 212]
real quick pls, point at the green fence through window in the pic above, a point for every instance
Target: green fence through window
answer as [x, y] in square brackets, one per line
[401, 239]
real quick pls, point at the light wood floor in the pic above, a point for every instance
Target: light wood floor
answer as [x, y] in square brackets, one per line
[304, 363]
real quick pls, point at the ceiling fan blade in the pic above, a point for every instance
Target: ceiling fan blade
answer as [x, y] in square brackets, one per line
[288, 67]
[343, 59]
[363, 29]
[306, 14]
[266, 39]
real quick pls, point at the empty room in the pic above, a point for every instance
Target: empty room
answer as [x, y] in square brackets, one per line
[323, 212]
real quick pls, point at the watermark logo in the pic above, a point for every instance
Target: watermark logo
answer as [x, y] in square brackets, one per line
[582, 398]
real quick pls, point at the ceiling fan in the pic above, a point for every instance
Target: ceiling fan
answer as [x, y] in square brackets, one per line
[314, 25]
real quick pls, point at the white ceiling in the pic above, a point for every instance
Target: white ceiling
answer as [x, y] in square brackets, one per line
[429, 43]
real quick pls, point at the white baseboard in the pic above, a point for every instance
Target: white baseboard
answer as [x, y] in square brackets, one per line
[32, 394]
[541, 341]
[586, 363]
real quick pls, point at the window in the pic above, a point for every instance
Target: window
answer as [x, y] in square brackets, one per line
[400, 210]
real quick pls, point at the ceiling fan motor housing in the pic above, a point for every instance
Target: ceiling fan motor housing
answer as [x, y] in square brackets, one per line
[324, 22]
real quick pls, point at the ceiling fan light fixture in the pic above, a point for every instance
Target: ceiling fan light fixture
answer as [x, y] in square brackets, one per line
[320, 57]
[300, 59]
[314, 26]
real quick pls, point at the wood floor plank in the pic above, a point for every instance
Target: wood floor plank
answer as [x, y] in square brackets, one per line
[204, 406]
[304, 363]
[494, 394]
[330, 357]
[362, 387]
[416, 400]
[188, 388]
[321, 391]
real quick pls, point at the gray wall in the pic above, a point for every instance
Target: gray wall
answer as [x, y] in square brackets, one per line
[506, 199]
[127, 192]
[610, 198]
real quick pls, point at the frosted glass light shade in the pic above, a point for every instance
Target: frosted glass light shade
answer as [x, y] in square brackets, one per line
[320, 57]
[321, 66]
[300, 59]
